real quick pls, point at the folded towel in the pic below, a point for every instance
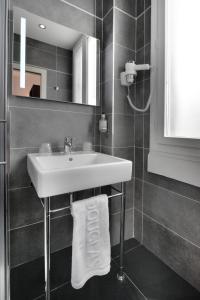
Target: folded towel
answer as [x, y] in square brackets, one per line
[91, 239]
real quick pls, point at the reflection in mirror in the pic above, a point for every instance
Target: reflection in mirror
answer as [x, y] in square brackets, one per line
[54, 62]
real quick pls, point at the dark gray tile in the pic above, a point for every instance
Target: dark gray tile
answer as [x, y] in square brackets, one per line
[107, 5]
[121, 104]
[107, 68]
[128, 6]
[99, 8]
[115, 203]
[140, 7]
[147, 60]
[146, 130]
[179, 255]
[31, 127]
[122, 55]
[125, 30]
[115, 227]
[51, 78]
[52, 93]
[139, 163]
[26, 208]
[64, 63]
[126, 153]
[108, 29]
[140, 32]
[26, 243]
[155, 279]
[27, 280]
[62, 13]
[18, 176]
[38, 44]
[164, 206]
[64, 81]
[139, 95]
[139, 129]
[128, 245]
[106, 150]
[138, 225]
[107, 96]
[40, 58]
[140, 59]
[88, 5]
[100, 287]
[52, 105]
[138, 194]
[147, 3]
[147, 90]
[2, 141]
[148, 26]
[123, 137]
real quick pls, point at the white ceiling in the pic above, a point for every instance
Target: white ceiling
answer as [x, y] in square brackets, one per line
[54, 34]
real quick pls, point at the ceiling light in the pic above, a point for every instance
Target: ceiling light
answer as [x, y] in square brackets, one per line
[42, 26]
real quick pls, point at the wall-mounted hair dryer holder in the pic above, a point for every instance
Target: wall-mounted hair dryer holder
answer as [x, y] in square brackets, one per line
[128, 78]
[131, 69]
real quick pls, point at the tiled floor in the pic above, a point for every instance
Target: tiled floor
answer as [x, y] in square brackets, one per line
[147, 278]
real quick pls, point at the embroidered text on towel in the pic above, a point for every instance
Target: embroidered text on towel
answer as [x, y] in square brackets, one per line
[93, 247]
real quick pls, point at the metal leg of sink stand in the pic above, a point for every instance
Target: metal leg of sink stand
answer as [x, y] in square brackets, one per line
[121, 275]
[47, 247]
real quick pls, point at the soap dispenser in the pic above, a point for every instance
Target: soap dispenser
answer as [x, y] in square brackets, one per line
[103, 124]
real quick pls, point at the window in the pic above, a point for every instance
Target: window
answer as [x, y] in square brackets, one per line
[175, 110]
[182, 67]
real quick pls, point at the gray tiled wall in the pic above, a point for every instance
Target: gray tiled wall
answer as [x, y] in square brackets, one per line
[119, 28]
[33, 122]
[166, 212]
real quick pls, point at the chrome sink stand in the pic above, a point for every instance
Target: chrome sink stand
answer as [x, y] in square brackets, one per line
[46, 202]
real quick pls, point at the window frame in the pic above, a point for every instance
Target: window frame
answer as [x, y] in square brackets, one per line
[176, 158]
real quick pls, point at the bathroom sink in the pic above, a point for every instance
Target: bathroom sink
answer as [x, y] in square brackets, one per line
[58, 173]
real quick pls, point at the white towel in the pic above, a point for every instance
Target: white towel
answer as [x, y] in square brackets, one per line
[91, 240]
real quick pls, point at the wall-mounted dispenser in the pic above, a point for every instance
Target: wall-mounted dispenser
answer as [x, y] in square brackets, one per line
[128, 78]
[103, 124]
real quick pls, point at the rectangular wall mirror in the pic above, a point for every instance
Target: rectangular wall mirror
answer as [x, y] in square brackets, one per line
[54, 62]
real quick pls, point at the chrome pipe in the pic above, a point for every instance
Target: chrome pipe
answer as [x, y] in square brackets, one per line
[121, 275]
[47, 247]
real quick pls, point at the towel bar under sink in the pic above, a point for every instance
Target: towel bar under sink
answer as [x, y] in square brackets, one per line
[46, 203]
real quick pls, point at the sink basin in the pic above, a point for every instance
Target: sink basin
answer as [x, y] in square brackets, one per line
[58, 173]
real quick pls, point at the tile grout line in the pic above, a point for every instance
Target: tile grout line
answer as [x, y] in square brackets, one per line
[81, 9]
[170, 191]
[48, 109]
[38, 222]
[171, 230]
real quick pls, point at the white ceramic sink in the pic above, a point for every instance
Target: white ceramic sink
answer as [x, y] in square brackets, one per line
[55, 174]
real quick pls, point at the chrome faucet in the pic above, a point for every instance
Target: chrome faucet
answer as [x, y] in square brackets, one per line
[68, 145]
